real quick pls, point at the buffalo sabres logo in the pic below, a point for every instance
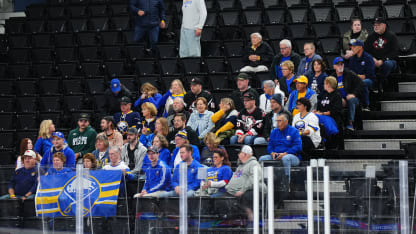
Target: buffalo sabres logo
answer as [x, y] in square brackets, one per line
[122, 126]
[67, 198]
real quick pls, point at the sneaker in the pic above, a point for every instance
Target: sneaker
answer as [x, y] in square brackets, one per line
[350, 127]
[366, 108]
[136, 195]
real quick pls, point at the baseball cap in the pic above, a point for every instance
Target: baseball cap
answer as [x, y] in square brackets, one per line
[132, 131]
[249, 95]
[115, 85]
[30, 153]
[355, 42]
[379, 20]
[196, 81]
[277, 97]
[154, 149]
[84, 116]
[125, 100]
[183, 134]
[246, 149]
[58, 134]
[301, 79]
[338, 60]
[243, 76]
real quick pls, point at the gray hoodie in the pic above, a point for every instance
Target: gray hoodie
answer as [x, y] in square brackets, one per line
[242, 179]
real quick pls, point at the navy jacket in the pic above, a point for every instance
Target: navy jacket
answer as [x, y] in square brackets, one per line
[154, 11]
[23, 181]
[363, 65]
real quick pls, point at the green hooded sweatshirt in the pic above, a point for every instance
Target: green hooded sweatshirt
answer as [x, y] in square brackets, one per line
[82, 142]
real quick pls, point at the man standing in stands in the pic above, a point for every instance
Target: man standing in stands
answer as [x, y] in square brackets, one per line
[179, 124]
[257, 56]
[194, 15]
[243, 80]
[286, 54]
[249, 123]
[383, 45]
[150, 15]
[350, 87]
[126, 118]
[113, 97]
[59, 145]
[305, 65]
[133, 152]
[362, 63]
[196, 92]
[82, 139]
[109, 130]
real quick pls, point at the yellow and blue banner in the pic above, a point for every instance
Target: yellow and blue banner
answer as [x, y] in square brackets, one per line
[56, 195]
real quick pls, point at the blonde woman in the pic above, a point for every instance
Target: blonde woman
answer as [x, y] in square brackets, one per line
[148, 122]
[149, 94]
[44, 142]
[212, 143]
[176, 90]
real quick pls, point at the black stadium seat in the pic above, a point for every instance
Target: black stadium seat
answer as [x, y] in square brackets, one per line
[26, 104]
[19, 40]
[42, 40]
[218, 81]
[57, 25]
[72, 87]
[19, 71]
[169, 67]
[26, 87]
[44, 70]
[7, 121]
[96, 86]
[98, 24]
[64, 39]
[91, 69]
[55, 12]
[253, 16]
[112, 53]
[19, 55]
[322, 13]
[211, 49]
[298, 14]
[229, 17]
[89, 54]
[7, 139]
[276, 16]
[233, 48]
[49, 87]
[192, 66]
[26, 121]
[78, 24]
[6, 87]
[67, 54]
[345, 13]
[216, 65]
[50, 103]
[42, 55]
[145, 67]
[110, 37]
[7, 104]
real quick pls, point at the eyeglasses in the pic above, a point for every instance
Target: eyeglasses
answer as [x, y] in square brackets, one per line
[283, 48]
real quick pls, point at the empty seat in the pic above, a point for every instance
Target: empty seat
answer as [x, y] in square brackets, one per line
[42, 55]
[322, 13]
[6, 87]
[345, 12]
[271, 3]
[395, 10]
[35, 26]
[218, 81]
[112, 53]
[400, 26]
[275, 31]
[43, 70]
[211, 48]
[192, 66]
[276, 16]
[216, 65]
[6, 140]
[26, 104]
[72, 87]
[7, 121]
[49, 87]
[26, 87]
[19, 55]
[233, 48]
[128, 37]
[331, 45]
[96, 86]
[129, 83]
[407, 44]
[211, 19]
[145, 67]
[301, 30]
[253, 16]
[50, 104]
[35, 11]
[19, 40]
[298, 14]
[74, 102]
[226, 4]
[64, 39]
[67, 70]
[87, 39]
[324, 29]
[7, 104]
[168, 50]
[110, 38]
[89, 53]
[68, 54]
[230, 32]
[119, 9]
[169, 67]
[56, 25]
[91, 69]
[15, 25]
[235, 64]
[19, 70]
[370, 11]
[26, 121]
[55, 12]
[98, 24]
[75, 11]
[120, 23]
[134, 52]
[78, 24]
[98, 9]
[115, 69]
[210, 33]
[229, 18]
[42, 40]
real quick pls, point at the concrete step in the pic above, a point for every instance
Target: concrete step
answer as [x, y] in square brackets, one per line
[407, 87]
[355, 165]
[301, 205]
[399, 124]
[375, 144]
[407, 105]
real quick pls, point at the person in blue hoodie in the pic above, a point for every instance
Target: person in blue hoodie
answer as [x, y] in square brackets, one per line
[181, 139]
[59, 145]
[44, 142]
[58, 160]
[285, 144]
[301, 91]
[150, 15]
[157, 176]
[162, 144]
[192, 181]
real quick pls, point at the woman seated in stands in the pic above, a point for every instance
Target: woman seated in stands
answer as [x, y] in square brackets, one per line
[211, 145]
[44, 142]
[101, 152]
[149, 94]
[317, 77]
[88, 160]
[161, 128]
[286, 83]
[356, 32]
[176, 90]
[225, 120]
[307, 124]
[25, 144]
[58, 161]
[330, 104]
[200, 120]
[24, 180]
[148, 123]
[218, 175]
[160, 142]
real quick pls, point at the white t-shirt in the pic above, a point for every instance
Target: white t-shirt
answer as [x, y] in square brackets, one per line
[120, 166]
[309, 122]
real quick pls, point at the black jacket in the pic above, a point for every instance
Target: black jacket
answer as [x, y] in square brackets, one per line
[192, 136]
[268, 122]
[112, 102]
[385, 46]
[274, 72]
[264, 51]
[331, 102]
[190, 98]
[237, 97]
[352, 83]
[283, 86]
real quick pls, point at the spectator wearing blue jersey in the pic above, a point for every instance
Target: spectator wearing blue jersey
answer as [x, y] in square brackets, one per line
[157, 175]
[126, 118]
[59, 145]
[148, 123]
[181, 139]
[160, 142]
[193, 183]
[59, 160]
[44, 142]
[218, 175]
[149, 94]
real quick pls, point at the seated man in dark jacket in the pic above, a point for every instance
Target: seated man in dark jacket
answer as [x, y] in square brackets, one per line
[179, 123]
[258, 56]
[286, 54]
[270, 120]
[350, 87]
[113, 97]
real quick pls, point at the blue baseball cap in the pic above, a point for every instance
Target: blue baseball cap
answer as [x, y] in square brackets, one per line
[355, 42]
[58, 134]
[115, 85]
[338, 60]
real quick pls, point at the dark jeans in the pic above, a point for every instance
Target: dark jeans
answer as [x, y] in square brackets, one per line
[153, 32]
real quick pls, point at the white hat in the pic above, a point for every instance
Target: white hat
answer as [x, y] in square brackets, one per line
[30, 153]
[247, 150]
